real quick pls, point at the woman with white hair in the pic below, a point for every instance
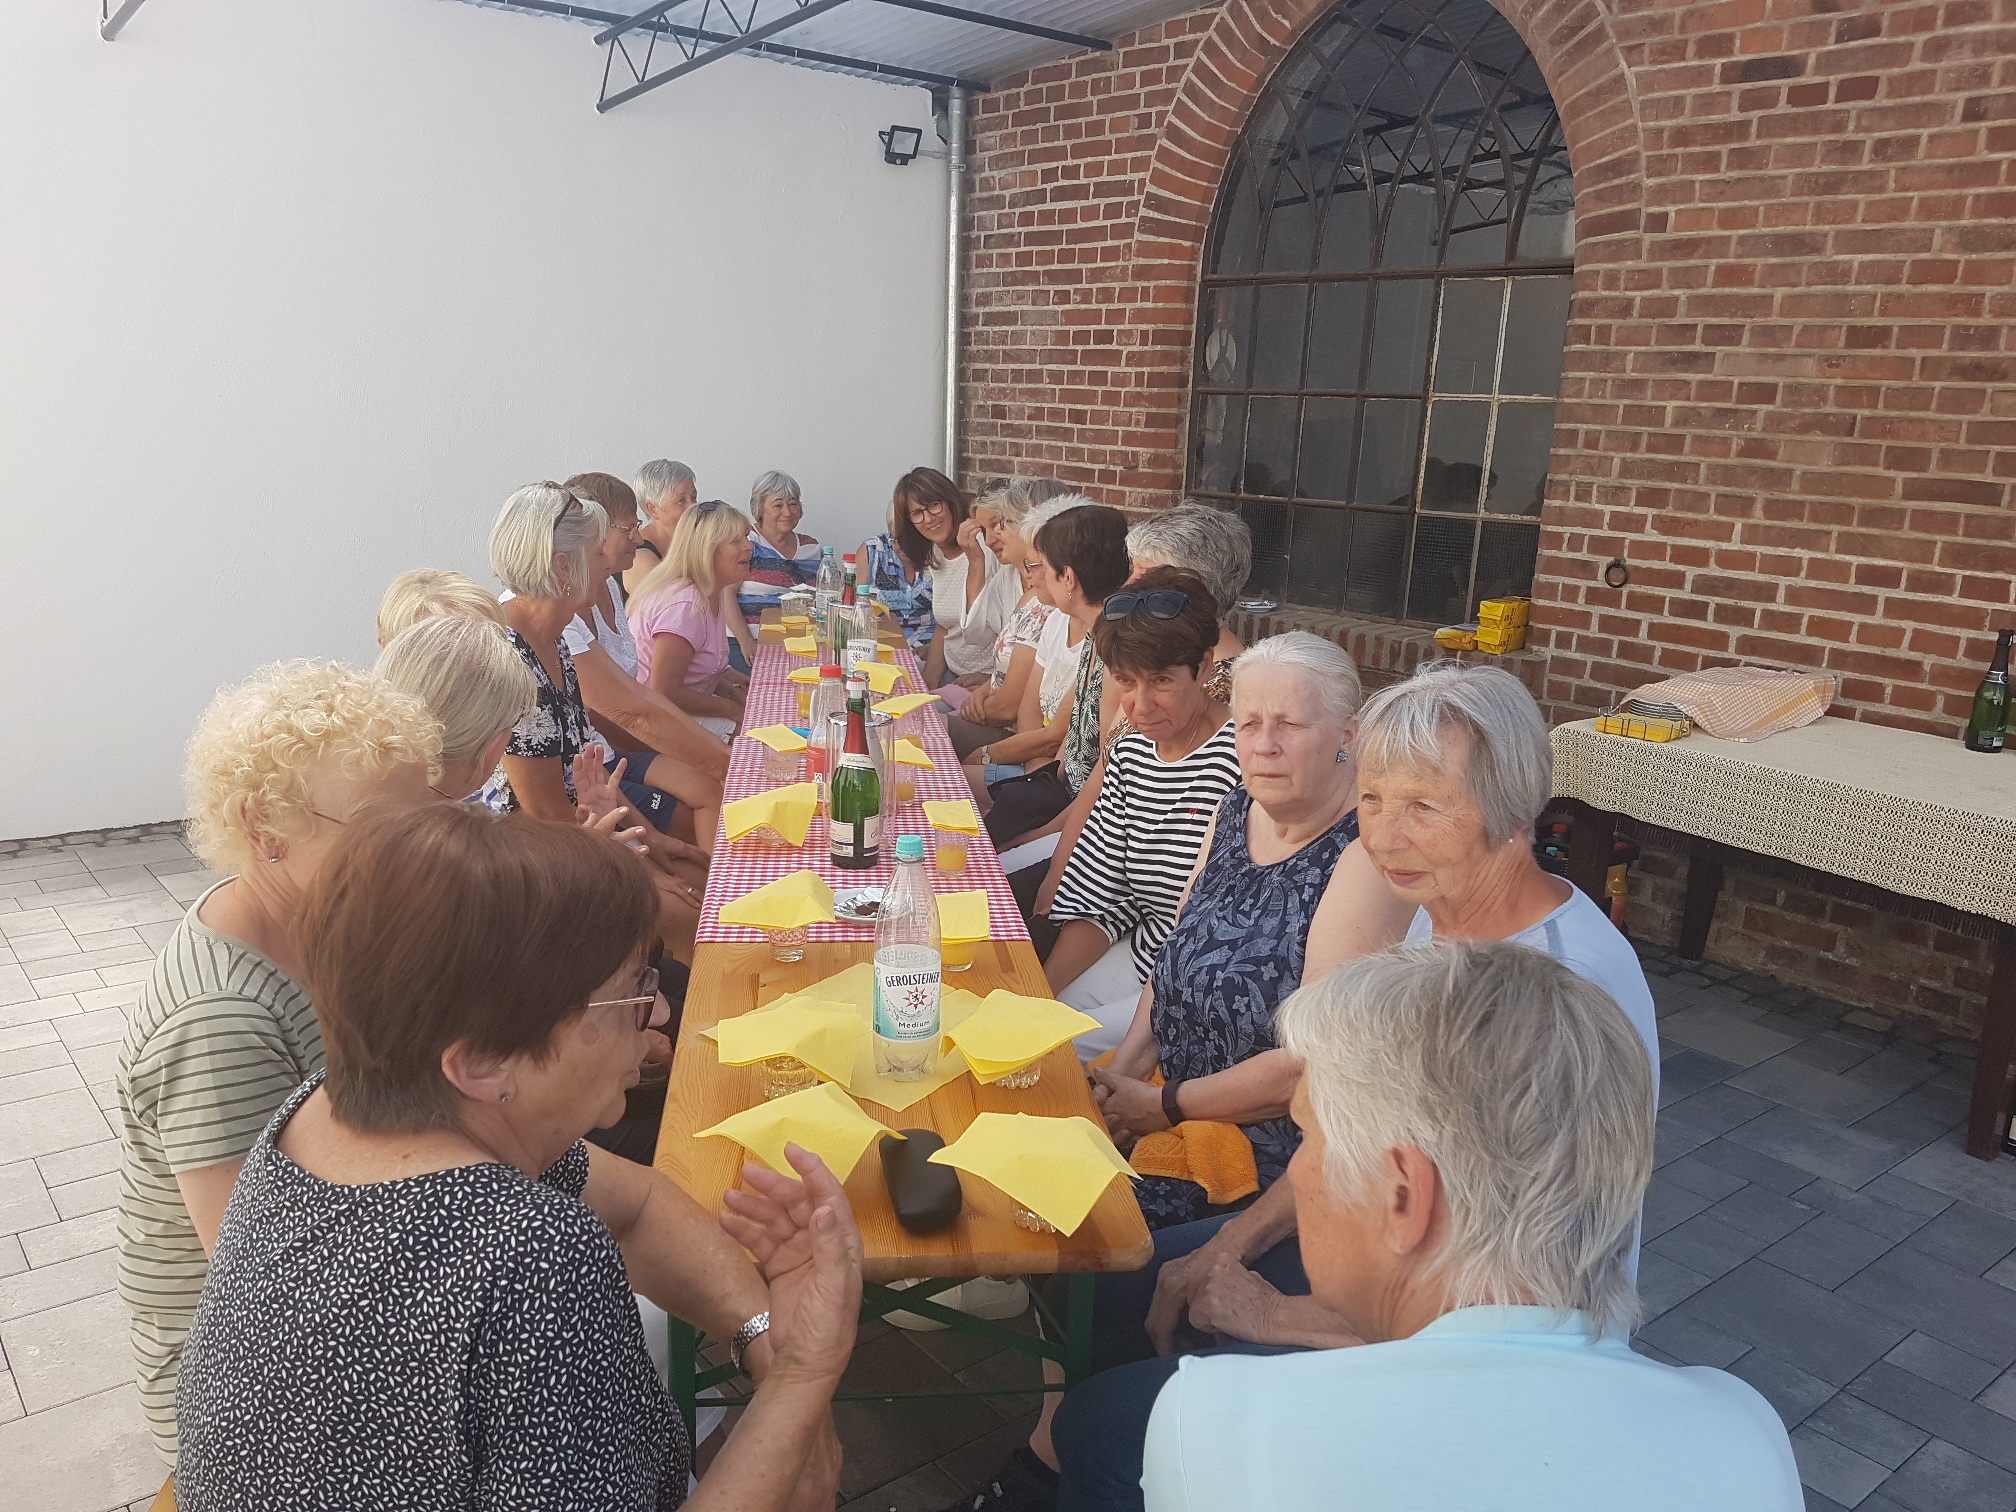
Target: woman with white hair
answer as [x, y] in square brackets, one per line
[223, 1029]
[1478, 1136]
[677, 619]
[781, 557]
[665, 490]
[1279, 895]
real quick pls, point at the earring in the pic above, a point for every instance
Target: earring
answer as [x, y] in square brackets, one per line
[1342, 757]
[275, 860]
[503, 1097]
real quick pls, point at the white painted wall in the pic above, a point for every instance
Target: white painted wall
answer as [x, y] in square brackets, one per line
[294, 292]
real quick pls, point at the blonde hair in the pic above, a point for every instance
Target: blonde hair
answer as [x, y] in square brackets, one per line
[426, 592]
[1523, 1083]
[257, 744]
[689, 555]
[468, 673]
[538, 523]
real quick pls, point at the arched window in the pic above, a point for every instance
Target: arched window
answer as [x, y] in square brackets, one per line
[1382, 314]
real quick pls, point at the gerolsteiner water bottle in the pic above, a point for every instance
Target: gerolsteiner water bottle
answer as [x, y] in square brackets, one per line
[909, 966]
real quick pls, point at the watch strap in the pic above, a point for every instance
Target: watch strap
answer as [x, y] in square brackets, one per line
[1170, 1110]
[746, 1335]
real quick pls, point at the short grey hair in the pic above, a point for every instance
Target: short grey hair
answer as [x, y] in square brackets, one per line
[772, 485]
[538, 524]
[1213, 543]
[1523, 1083]
[1511, 767]
[467, 672]
[1042, 514]
[655, 480]
[1327, 665]
[1013, 498]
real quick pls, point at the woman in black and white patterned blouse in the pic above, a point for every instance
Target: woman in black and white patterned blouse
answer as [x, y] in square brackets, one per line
[421, 1293]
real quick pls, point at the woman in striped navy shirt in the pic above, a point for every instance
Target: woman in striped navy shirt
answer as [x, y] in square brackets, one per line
[1120, 889]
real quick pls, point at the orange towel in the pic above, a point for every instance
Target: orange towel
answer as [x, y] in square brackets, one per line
[1217, 1156]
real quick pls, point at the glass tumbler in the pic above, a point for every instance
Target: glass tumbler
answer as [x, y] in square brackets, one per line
[789, 944]
[785, 1074]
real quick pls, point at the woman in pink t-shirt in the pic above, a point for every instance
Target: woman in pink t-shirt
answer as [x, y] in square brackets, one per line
[677, 621]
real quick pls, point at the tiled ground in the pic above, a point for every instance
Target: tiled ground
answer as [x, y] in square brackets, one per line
[1814, 1227]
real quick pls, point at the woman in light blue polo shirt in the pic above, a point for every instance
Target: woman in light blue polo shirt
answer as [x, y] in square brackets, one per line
[1478, 1124]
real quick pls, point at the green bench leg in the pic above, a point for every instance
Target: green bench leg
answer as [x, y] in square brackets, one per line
[1078, 1330]
[683, 1358]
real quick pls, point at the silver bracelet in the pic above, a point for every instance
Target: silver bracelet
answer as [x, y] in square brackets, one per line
[746, 1335]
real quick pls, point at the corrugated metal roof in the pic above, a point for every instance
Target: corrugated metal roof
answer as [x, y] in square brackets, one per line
[872, 32]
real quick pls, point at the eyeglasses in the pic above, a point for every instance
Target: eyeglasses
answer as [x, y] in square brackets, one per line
[1163, 604]
[330, 817]
[647, 986]
[930, 510]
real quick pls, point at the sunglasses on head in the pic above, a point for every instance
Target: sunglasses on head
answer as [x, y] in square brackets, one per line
[1163, 604]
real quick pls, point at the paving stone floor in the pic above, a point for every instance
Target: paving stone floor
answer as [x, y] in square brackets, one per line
[1814, 1227]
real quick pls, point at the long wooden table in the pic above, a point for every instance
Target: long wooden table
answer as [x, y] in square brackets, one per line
[734, 978]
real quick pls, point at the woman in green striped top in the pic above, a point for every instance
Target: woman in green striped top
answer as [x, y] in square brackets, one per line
[223, 1030]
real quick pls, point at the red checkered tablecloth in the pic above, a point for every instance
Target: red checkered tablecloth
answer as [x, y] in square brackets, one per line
[743, 867]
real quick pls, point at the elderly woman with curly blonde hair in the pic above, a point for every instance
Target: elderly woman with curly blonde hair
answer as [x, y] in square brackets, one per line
[223, 1029]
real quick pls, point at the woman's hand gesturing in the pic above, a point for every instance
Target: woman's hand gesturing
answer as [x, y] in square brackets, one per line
[802, 1234]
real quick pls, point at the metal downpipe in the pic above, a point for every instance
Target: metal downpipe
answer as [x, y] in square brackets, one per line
[955, 284]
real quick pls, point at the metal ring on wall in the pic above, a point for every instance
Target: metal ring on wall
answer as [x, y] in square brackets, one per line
[1616, 574]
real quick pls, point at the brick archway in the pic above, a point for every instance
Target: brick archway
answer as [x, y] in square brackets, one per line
[1104, 305]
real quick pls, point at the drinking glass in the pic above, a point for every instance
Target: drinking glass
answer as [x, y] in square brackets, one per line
[950, 848]
[957, 955]
[1025, 1219]
[1026, 1076]
[785, 1074]
[789, 944]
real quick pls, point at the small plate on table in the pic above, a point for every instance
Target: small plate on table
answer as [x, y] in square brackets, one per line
[858, 905]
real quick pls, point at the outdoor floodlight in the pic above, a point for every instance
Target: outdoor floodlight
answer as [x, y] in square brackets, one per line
[900, 143]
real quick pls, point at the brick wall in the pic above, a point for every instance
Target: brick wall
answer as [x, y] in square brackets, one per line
[1788, 403]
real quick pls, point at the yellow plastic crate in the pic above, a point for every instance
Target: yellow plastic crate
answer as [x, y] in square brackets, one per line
[1643, 727]
[1503, 611]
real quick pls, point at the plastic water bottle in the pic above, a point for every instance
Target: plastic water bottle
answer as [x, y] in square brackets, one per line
[826, 589]
[909, 967]
[829, 699]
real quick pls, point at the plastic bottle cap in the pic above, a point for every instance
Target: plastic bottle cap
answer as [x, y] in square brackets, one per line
[829, 671]
[909, 847]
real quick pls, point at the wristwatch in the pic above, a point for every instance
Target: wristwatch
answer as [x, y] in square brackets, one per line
[1169, 1109]
[982, 754]
[746, 1335]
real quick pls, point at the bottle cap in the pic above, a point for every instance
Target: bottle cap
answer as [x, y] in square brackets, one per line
[909, 847]
[825, 672]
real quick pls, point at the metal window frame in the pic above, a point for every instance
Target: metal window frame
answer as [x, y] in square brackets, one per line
[1477, 133]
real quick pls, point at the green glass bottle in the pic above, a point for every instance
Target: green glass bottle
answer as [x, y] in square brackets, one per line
[1991, 701]
[854, 803]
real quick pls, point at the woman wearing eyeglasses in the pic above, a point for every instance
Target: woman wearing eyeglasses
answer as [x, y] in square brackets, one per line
[422, 1295]
[970, 597]
[1126, 874]
[677, 619]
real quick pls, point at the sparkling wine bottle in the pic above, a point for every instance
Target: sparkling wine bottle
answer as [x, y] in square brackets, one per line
[854, 801]
[1990, 719]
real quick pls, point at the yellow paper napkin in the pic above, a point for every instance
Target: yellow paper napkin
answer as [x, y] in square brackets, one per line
[787, 810]
[963, 916]
[778, 738]
[955, 814]
[1008, 1031]
[801, 898]
[823, 1119]
[882, 676]
[826, 1036]
[801, 645]
[910, 752]
[909, 703]
[1058, 1168]
[804, 675]
[856, 987]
